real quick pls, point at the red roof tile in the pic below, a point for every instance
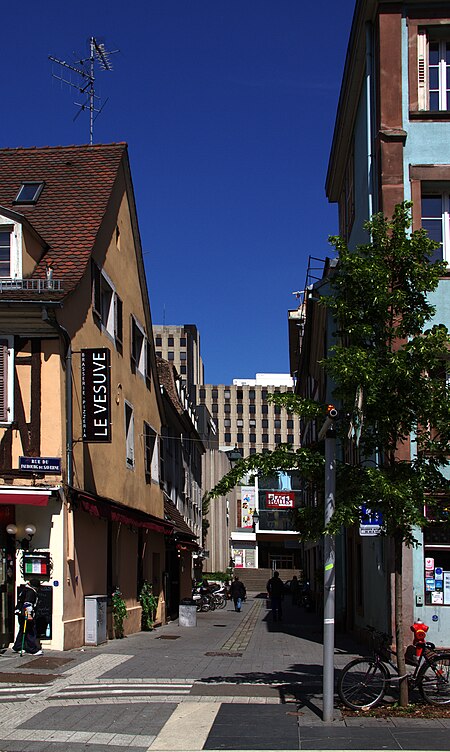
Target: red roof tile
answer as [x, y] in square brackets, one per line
[70, 209]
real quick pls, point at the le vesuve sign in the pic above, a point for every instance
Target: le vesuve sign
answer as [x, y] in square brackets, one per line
[96, 394]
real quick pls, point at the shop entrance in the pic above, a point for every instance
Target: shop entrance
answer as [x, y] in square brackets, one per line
[7, 577]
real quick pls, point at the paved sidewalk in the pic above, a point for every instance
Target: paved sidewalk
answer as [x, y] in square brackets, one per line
[236, 681]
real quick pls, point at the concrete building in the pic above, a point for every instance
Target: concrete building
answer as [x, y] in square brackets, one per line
[244, 416]
[180, 345]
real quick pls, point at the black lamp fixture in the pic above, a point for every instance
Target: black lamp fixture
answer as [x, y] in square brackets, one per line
[255, 520]
[22, 543]
[234, 455]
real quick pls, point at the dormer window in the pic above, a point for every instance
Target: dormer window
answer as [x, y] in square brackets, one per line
[29, 193]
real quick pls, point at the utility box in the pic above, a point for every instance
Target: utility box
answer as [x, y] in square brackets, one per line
[95, 632]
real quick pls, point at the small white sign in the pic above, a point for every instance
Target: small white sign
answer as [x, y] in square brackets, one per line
[370, 530]
[446, 588]
[437, 598]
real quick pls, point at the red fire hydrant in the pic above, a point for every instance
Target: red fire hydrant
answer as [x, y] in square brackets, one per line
[420, 632]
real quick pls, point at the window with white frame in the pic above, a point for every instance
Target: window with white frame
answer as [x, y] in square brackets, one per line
[10, 249]
[138, 347]
[6, 380]
[107, 304]
[433, 51]
[435, 220]
[129, 434]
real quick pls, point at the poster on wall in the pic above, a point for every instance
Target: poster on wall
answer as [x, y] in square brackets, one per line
[437, 598]
[280, 499]
[247, 506]
[446, 588]
[238, 556]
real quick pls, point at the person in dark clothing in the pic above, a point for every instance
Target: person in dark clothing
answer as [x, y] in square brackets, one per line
[275, 590]
[295, 591]
[26, 640]
[237, 593]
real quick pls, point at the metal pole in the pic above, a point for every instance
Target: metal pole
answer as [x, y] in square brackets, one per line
[329, 578]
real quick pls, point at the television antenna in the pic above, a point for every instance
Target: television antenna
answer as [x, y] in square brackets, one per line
[84, 81]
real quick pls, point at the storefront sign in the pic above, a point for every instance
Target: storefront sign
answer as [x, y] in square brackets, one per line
[280, 499]
[96, 395]
[45, 465]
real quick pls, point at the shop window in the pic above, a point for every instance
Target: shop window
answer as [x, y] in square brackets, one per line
[436, 565]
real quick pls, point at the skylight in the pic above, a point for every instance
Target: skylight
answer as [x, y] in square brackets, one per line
[29, 193]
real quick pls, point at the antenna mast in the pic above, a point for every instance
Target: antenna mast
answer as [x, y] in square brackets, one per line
[85, 84]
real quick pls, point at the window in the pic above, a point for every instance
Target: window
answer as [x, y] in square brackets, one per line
[170, 356]
[435, 220]
[6, 380]
[290, 423]
[107, 305]
[252, 437]
[290, 438]
[265, 423]
[29, 193]
[202, 393]
[264, 394]
[227, 408]
[265, 438]
[251, 394]
[138, 348]
[215, 407]
[214, 393]
[5, 252]
[240, 437]
[239, 423]
[151, 459]
[277, 409]
[227, 423]
[227, 394]
[158, 341]
[227, 437]
[170, 342]
[252, 423]
[182, 341]
[277, 423]
[183, 370]
[239, 409]
[159, 354]
[433, 68]
[182, 356]
[252, 409]
[129, 435]
[239, 394]
[278, 438]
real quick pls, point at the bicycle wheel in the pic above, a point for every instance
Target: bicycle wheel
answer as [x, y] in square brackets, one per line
[434, 680]
[362, 683]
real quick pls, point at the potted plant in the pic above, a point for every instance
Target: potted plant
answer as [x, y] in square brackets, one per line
[119, 612]
[149, 604]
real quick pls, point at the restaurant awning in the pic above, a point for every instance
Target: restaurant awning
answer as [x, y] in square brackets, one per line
[109, 510]
[33, 498]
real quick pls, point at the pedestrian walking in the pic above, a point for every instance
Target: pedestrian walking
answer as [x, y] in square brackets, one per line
[275, 590]
[237, 593]
[26, 640]
[295, 591]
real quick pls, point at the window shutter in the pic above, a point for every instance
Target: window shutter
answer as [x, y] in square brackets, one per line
[422, 70]
[96, 289]
[148, 364]
[118, 319]
[4, 380]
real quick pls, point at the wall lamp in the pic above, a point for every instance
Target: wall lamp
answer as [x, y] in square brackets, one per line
[255, 520]
[23, 543]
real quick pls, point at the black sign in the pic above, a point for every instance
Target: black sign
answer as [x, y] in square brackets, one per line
[44, 608]
[96, 395]
[47, 465]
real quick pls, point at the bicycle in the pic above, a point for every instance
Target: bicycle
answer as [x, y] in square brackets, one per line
[363, 682]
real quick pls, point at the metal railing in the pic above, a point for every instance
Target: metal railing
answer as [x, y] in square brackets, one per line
[35, 285]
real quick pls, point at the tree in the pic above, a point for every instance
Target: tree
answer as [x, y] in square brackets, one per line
[388, 365]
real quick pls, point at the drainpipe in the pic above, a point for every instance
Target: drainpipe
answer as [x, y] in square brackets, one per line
[69, 399]
[369, 145]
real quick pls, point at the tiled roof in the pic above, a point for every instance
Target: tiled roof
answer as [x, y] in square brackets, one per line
[70, 209]
[167, 380]
[175, 518]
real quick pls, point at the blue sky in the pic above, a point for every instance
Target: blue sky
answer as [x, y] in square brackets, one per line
[228, 107]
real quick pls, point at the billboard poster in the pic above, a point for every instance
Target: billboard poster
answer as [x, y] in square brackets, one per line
[247, 506]
[280, 499]
[96, 395]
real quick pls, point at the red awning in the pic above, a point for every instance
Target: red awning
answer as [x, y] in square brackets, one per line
[32, 498]
[107, 510]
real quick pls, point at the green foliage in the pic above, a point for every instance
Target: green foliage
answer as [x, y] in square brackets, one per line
[149, 604]
[119, 612]
[216, 576]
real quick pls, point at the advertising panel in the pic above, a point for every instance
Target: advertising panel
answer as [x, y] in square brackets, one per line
[280, 499]
[96, 395]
